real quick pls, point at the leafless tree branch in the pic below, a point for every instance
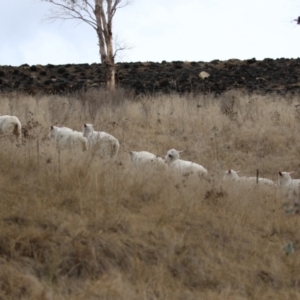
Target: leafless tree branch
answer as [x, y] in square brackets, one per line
[77, 12]
[120, 46]
[99, 15]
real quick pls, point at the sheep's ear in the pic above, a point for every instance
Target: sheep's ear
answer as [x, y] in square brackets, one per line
[51, 127]
[84, 125]
[229, 171]
[237, 171]
[279, 173]
[291, 172]
[180, 151]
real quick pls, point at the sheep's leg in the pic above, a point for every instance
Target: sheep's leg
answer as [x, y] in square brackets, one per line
[17, 140]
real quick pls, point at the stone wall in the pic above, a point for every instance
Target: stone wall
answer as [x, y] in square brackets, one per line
[267, 76]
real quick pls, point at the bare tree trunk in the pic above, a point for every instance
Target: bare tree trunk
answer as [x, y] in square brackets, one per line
[105, 37]
[110, 76]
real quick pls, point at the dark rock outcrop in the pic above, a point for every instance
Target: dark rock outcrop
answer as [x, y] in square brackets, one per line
[267, 76]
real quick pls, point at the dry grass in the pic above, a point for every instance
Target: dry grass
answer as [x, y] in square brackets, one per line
[92, 230]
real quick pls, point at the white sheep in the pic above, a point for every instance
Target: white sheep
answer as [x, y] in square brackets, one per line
[66, 138]
[101, 142]
[183, 167]
[11, 125]
[145, 158]
[234, 176]
[141, 157]
[290, 188]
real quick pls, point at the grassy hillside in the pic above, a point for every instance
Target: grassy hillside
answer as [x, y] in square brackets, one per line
[75, 227]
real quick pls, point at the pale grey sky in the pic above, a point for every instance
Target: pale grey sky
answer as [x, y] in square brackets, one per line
[187, 30]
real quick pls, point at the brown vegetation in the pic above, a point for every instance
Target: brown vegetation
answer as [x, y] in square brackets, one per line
[86, 229]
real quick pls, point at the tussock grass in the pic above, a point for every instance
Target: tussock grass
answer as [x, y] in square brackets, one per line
[87, 229]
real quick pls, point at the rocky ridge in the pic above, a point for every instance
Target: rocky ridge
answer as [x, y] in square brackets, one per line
[266, 76]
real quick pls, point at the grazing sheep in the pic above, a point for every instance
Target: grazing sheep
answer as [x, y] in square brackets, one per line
[183, 167]
[234, 176]
[290, 188]
[143, 158]
[10, 125]
[101, 142]
[66, 138]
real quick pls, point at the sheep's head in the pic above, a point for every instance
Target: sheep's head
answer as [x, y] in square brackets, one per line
[159, 159]
[284, 177]
[172, 155]
[52, 131]
[87, 128]
[231, 175]
[133, 155]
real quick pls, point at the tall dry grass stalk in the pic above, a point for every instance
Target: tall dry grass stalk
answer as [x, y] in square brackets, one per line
[100, 230]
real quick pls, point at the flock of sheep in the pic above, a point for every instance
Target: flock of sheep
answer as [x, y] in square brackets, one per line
[107, 146]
